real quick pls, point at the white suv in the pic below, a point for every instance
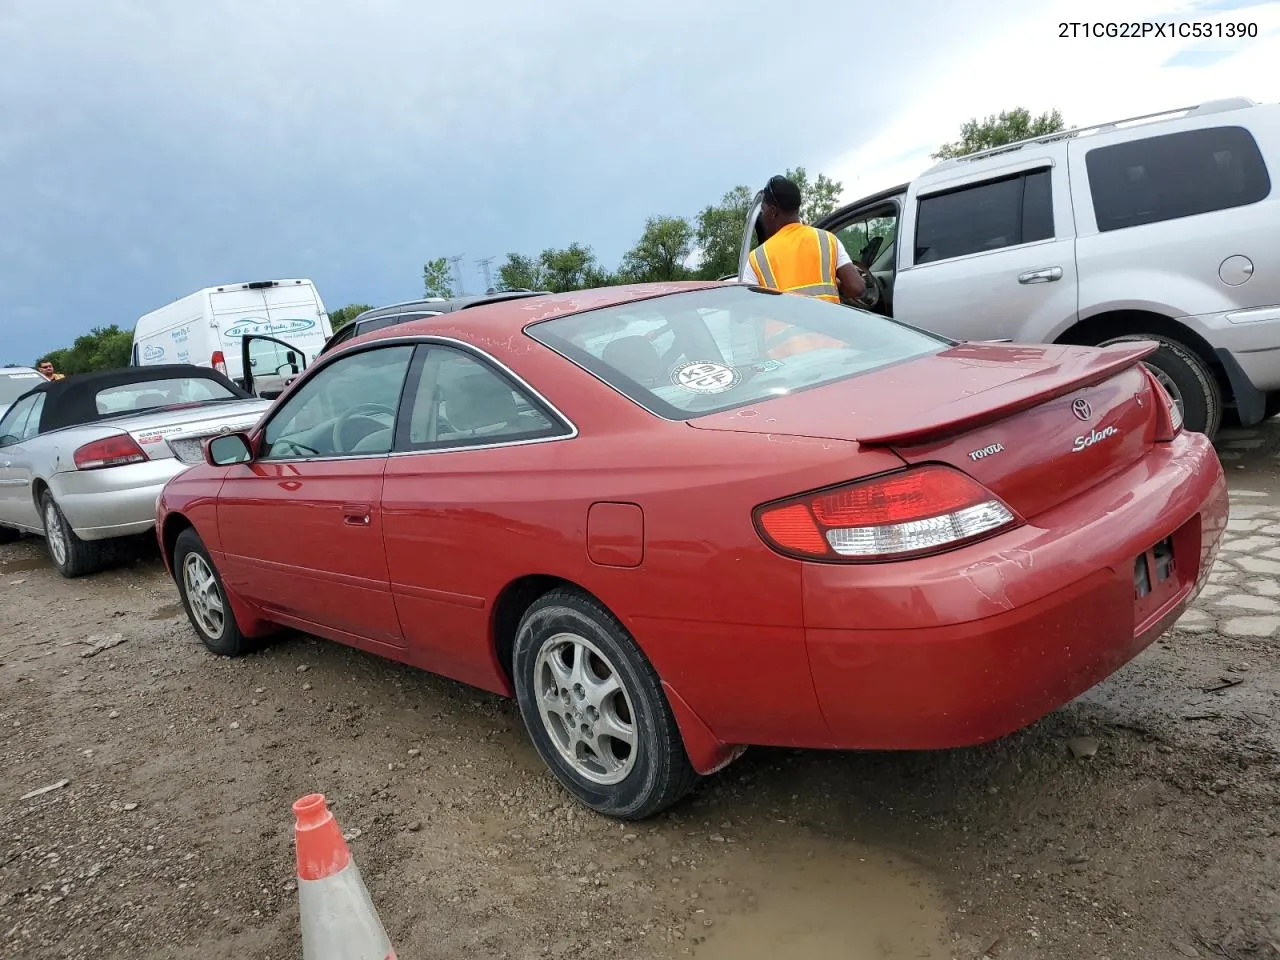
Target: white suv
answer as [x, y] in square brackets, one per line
[1164, 227]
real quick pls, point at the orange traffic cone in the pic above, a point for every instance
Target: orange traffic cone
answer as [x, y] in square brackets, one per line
[338, 918]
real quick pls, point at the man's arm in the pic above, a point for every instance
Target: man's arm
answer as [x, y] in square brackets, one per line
[847, 278]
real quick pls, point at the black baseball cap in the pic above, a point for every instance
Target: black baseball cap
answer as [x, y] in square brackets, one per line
[783, 194]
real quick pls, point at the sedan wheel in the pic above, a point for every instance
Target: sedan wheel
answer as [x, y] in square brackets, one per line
[72, 556]
[205, 597]
[594, 707]
[585, 708]
[207, 610]
[55, 533]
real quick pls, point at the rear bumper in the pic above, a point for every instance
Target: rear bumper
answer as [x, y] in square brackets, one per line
[976, 644]
[114, 501]
[1251, 336]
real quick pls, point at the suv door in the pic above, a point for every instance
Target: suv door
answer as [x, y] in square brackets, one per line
[990, 255]
[269, 364]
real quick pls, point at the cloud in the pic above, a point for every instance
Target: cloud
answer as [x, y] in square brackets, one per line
[150, 149]
[1089, 79]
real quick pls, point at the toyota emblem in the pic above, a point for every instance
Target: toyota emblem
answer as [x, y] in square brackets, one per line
[1081, 409]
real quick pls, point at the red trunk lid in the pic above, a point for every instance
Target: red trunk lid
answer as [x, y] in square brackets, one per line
[1036, 424]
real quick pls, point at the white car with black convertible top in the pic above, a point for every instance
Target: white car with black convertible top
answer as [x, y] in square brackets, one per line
[82, 460]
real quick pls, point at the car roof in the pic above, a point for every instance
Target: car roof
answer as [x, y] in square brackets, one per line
[72, 401]
[22, 370]
[503, 319]
[446, 305]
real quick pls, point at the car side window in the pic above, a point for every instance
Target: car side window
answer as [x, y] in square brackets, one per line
[986, 216]
[21, 421]
[346, 409]
[463, 401]
[1175, 175]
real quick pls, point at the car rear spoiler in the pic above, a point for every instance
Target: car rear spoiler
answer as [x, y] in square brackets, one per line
[1008, 398]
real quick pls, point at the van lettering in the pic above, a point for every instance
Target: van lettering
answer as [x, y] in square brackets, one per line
[1094, 436]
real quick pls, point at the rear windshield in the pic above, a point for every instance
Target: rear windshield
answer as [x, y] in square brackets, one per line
[153, 394]
[14, 385]
[688, 354]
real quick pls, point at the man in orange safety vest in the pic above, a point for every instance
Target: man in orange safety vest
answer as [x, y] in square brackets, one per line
[795, 257]
[799, 259]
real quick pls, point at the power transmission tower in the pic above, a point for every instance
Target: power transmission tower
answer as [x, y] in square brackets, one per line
[457, 274]
[488, 278]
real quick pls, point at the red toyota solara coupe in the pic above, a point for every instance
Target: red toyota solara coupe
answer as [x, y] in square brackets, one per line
[676, 520]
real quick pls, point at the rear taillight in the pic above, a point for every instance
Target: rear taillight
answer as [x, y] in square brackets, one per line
[219, 362]
[111, 452]
[911, 513]
[1168, 416]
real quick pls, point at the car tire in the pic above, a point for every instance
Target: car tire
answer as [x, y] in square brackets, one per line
[570, 647]
[204, 597]
[1195, 383]
[71, 556]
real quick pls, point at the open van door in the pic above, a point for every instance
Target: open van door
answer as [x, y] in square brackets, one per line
[750, 232]
[269, 365]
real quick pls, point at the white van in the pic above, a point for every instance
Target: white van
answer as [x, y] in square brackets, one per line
[259, 334]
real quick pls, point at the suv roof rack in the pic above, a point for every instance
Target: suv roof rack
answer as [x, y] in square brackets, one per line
[1200, 109]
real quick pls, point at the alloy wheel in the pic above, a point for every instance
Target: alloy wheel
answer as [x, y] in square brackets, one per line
[585, 708]
[203, 595]
[55, 533]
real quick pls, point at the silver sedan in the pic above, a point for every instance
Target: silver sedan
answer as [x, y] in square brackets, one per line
[82, 460]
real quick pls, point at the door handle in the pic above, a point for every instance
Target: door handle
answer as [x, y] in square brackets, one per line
[1041, 276]
[356, 514]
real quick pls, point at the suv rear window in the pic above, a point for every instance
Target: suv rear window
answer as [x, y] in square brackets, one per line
[1175, 175]
[685, 355]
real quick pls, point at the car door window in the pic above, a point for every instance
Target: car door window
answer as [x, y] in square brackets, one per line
[22, 421]
[12, 423]
[868, 240]
[347, 409]
[986, 216]
[463, 401]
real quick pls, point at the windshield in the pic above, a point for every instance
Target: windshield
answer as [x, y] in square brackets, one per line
[688, 354]
[13, 385]
[152, 394]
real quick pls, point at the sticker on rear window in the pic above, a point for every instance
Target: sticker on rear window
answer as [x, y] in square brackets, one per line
[705, 377]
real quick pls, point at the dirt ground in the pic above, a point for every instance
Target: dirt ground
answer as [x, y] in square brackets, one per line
[171, 837]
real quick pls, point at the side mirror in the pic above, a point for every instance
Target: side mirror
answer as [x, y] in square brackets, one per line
[226, 450]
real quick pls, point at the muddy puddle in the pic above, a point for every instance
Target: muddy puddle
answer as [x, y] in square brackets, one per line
[167, 612]
[24, 564]
[817, 898]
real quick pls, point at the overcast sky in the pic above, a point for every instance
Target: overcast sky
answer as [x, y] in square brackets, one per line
[151, 148]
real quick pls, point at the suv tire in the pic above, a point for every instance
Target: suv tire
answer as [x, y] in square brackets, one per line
[1194, 381]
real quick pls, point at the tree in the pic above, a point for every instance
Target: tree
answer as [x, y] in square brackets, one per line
[718, 234]
[436, 279]
[996, 131]
[520, 273]
[102, 348]
[661, 251]
[567, 269]
[344, 315]
[8, 365]
[818, 198]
